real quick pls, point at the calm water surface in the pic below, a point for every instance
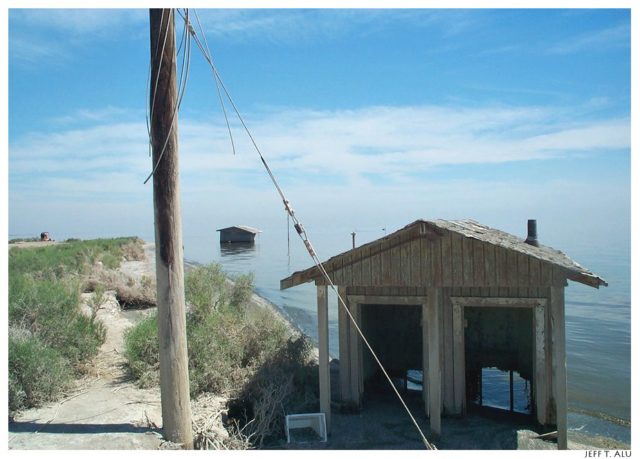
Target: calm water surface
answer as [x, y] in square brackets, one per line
[598, 321]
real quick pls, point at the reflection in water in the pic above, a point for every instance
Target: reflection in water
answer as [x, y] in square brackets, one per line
[233, 249]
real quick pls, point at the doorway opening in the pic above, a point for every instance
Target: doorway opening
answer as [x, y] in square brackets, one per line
[499, 352]
[395, 333]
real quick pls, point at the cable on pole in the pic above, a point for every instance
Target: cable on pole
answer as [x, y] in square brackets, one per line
[182, 86]
[306, 241]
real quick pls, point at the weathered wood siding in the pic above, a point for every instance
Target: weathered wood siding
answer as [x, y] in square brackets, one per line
[457, 266]
[451, 386]
[450, 260]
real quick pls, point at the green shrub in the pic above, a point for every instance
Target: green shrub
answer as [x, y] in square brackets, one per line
[142, 350]
[50, 310]
[244, 353]
[205, 289]
[110, 261]
[241, 291]
[37, 373]
[44, 298]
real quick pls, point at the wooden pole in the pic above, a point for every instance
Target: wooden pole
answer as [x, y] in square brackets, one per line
[323, 351]
[435, 374]
[174, 365]
[558, 343]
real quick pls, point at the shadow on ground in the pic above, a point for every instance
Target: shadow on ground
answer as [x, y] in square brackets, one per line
[384, 424]
[63, 428]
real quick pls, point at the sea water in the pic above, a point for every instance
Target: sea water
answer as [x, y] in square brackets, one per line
[598, 322]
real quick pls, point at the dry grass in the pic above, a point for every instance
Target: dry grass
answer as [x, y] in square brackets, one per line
[208, 419]
[131, 293]
[133, 250]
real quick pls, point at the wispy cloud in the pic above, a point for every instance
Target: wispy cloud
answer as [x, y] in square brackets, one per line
[618, 36]
[101, 115]
[295, 25]
[27, 50]
[344, 145]
[79, 22]
[55, 34]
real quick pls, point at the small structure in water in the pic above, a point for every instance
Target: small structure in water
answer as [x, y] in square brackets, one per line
[239, 233]
[451, 299]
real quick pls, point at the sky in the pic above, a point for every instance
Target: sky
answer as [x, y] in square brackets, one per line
[369, 118]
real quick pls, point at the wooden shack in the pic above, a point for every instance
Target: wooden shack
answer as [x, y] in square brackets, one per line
[239, 233]
[450, 298]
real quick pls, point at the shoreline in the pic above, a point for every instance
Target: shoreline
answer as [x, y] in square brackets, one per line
[146, 268]
[579, 437]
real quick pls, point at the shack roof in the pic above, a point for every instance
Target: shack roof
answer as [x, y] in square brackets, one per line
[248, 229]
[471, 229]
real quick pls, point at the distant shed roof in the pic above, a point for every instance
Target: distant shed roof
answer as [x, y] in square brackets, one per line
[248, 229]
[466, 228]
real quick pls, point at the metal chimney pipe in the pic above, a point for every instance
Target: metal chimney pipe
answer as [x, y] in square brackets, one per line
[532, 233]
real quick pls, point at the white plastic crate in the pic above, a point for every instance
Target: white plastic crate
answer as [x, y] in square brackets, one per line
[315, 421]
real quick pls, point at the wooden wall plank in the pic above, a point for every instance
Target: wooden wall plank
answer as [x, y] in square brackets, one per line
[385, 264]
[456, 259]
[478, 263]
[356, 271]
[534, 272]
[426, 272]
[489, 264]
[416, 262]
[376, 267]
[347, 270]
[467, 262]
[502, 267]
[405, 264]
[512, 268]
[436, 261]
[446, 260]
[546, 274]
[523, 269]
[393, 266]
[365, 267]
[336, 274]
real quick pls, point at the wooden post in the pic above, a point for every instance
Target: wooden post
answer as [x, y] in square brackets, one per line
[459, 382]
[510, 390]
[540, 379]
[556, 300]
[435, 386]
[174, 365]
[323, 358]
[355, 354]
[426, 383]
[344, 325]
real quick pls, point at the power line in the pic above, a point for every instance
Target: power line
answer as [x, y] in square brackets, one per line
[300, 229]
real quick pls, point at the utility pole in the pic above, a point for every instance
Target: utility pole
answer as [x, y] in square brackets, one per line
[174, 364]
